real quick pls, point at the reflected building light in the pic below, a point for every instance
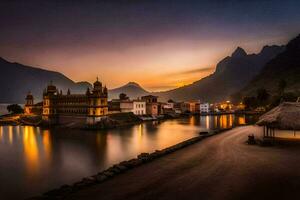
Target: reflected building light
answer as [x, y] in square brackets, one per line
[47, 144]
[207, 122]
[241, 120]
[215, 121]
[230, 121]
[140, 131]
[223, 121]
[1, 133]
[192, 120]
[18, 130]
[31, 151]
[10, 134]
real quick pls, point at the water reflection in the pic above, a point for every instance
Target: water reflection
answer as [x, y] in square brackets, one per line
[31, 151]
[35, 160]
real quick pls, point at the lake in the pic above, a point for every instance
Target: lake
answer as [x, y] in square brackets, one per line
[34, 160]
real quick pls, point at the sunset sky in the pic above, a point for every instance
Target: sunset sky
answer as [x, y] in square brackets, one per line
[159, 44]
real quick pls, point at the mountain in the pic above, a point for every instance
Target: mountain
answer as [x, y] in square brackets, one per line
[17, 79]
[231, 74]
[132, 89]
[285, 66]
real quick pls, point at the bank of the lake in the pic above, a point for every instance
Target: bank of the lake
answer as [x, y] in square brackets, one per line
[35, 160]
[220, 167]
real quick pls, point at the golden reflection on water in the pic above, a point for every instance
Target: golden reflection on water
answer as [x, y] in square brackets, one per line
[215, 121]
[47, 144]
[1, 133]
[31, 151]
[207, 122]
[223, 121]
[192, 120]
[140, 131]
[10, 134]
[241, 120]
[230, 121]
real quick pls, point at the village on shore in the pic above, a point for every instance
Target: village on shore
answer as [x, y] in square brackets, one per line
[94, 110]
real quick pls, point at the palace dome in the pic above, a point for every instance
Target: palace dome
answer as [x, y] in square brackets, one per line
[51, 88]
[97, 83]
[29, 96]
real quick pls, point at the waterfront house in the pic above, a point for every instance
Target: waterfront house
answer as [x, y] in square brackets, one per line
[137, 107]
[204, 107]
[190, 106]
[285, 119]
[114, 106]
[151, 105]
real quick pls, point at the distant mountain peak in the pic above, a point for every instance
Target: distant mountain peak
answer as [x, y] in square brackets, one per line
[132, 89]
[133, 84]
[239, 52]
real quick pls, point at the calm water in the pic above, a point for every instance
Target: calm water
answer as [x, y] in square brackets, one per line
[34, 160]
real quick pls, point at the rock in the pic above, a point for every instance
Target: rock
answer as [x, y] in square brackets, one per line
[134, 162]
[108, 173]
[101, 177]
[114, 170]
[78, 185]
[142, 155]
[122, 168]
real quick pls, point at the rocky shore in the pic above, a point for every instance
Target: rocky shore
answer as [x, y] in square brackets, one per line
[121, 167]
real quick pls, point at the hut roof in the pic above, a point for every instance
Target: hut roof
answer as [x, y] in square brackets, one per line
[285, 116]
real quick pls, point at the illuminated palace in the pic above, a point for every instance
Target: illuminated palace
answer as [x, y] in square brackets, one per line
[57, 107]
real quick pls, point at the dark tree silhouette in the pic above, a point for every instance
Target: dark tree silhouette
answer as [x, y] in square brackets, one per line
[262, 96]
[123, 96]
[250, 102]
[281, 86]
[15, 109]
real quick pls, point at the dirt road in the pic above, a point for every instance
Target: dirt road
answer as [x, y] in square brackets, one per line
[220, 167]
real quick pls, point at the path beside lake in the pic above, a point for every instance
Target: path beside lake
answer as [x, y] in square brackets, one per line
[220, 167]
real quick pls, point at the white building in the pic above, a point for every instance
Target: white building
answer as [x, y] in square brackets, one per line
[126, 106]
[139, 107]
[204, 107]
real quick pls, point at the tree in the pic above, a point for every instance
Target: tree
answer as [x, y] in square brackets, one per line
[15, 109]
[123, 96]
[250, 103]
[262, 96]
[281, 86]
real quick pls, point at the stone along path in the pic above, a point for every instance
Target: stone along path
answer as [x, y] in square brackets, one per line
[220, 167]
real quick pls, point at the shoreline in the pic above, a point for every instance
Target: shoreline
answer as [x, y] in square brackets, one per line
[17, 119]
[122, 167]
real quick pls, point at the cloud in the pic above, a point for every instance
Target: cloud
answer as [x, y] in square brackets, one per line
[192, 71]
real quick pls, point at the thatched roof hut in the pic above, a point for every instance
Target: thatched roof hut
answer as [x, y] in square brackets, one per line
[285, 116]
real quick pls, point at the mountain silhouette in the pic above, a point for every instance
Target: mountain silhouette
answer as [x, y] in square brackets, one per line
[16, 80]
[285, 66]
[231, 74]
[132, 89]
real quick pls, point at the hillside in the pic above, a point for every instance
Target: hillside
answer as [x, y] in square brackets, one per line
[17, 79]
[231, 74]
[132, 89]
[285, 66]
